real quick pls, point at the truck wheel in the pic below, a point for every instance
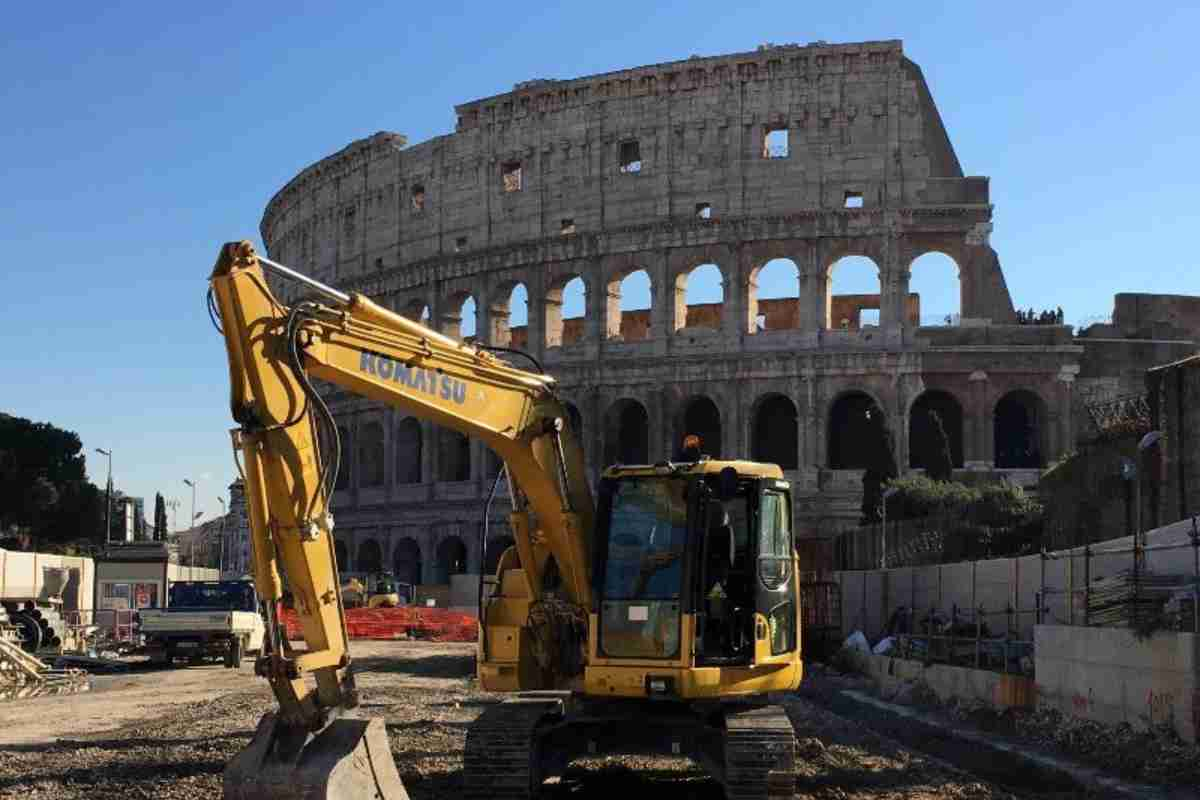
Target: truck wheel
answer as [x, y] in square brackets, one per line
[233, 656]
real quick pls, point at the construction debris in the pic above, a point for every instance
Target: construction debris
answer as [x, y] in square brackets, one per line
[1130, 599]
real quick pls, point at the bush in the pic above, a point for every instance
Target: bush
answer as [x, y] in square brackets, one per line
[1000, 504]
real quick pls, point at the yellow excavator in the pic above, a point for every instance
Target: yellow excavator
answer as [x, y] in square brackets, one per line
[654, 620]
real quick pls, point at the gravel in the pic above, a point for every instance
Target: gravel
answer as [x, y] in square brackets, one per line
[427, 697]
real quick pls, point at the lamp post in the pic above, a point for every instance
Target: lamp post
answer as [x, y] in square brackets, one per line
[107, 496]
[883, 532]
[1148, 441]
[221, 552]
[192, 530]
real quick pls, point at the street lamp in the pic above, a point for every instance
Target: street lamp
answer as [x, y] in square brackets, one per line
[221, 551]
[192, 528]
[107, 496]
[883, 533]
[1148, 441]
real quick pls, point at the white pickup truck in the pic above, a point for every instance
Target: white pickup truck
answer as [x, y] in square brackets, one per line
[204, 620]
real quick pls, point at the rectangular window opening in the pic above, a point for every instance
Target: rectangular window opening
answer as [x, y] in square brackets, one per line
[568, 226]
[704, 210]
[379, 263]
[868, 317]
[418, 197]
[460, 244]
[775, 143]
[510, 174]
[631, 156]
[854, 200]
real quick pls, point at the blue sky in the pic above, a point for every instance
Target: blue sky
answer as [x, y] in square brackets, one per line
[137, 137]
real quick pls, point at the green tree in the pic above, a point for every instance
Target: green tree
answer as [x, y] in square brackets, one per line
[881, 463]
[940, 466]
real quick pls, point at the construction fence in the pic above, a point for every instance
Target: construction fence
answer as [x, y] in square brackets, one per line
[982, 613]
[405, 622]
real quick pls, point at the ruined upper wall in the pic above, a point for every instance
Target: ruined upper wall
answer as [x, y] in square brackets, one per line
[859, 119]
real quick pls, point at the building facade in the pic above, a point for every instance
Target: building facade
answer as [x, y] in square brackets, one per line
[806, 153]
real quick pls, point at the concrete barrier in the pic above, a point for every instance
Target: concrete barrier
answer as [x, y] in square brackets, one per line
[1108, 675]
[949, 682]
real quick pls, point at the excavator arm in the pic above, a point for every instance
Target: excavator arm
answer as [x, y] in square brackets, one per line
[288, 448]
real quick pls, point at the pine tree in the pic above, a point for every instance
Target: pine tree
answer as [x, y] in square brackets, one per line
[160, 518]
[881, 463]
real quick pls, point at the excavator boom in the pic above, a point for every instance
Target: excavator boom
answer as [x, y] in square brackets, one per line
[288, 449]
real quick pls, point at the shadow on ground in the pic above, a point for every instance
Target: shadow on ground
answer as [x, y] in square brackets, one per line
[436, 666]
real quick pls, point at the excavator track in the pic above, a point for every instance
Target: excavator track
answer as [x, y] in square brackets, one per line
[760, 754]
[501, 756]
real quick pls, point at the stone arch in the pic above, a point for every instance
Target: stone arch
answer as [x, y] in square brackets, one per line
[415, 309]
[451, 558]
[495, 548]
[458, 315]
[566, 309]
[371, 465]
[700, 296]
[921, 433]
[630, 309]
[853, 292]
[370, 557]
[1019, 428]
[702, 416]
[344, 466]
[934, 290]
[454, 455]
[849, 429]
[508, 315]
[773, 295]
[626, 433]
[409, 446]
[339, 553]
[775, 431]
[406, 561]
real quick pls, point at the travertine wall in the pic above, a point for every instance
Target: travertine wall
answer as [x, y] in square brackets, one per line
[535, 187]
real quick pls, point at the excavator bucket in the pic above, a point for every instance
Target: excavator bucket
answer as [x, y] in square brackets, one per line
[349, 760]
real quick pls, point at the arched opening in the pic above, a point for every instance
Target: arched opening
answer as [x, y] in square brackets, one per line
[850, 431]
[370, 454]
[1018, 429]
[852, 291]
[934, 291]
[339, 552]
[347, 448]
[626, 433]
[566, 309]
[454, 456]
[509, 316]
[417, 311]
[700, 298]
[574, 419]
[934, 424]
[458, 316]
[495, 549]
[629, 307]
[774, 296]
[776, 432]
[370, 557]
[702, 418]
[406, 561]
[408, 451]
[451, 558]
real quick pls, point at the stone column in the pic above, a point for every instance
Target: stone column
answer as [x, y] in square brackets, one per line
[661, 303]
[814, 288]
[977, 443]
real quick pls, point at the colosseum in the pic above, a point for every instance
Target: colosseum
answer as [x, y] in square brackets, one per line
[805, 155]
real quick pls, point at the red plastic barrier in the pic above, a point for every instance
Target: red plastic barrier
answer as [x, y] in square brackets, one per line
[411, 622]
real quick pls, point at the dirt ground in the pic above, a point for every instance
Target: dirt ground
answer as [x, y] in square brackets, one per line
[167, 734]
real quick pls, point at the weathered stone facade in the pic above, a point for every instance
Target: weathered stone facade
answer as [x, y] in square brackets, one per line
[662, 169]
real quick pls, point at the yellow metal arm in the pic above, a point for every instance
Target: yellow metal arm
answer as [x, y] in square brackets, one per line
[373, 352]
